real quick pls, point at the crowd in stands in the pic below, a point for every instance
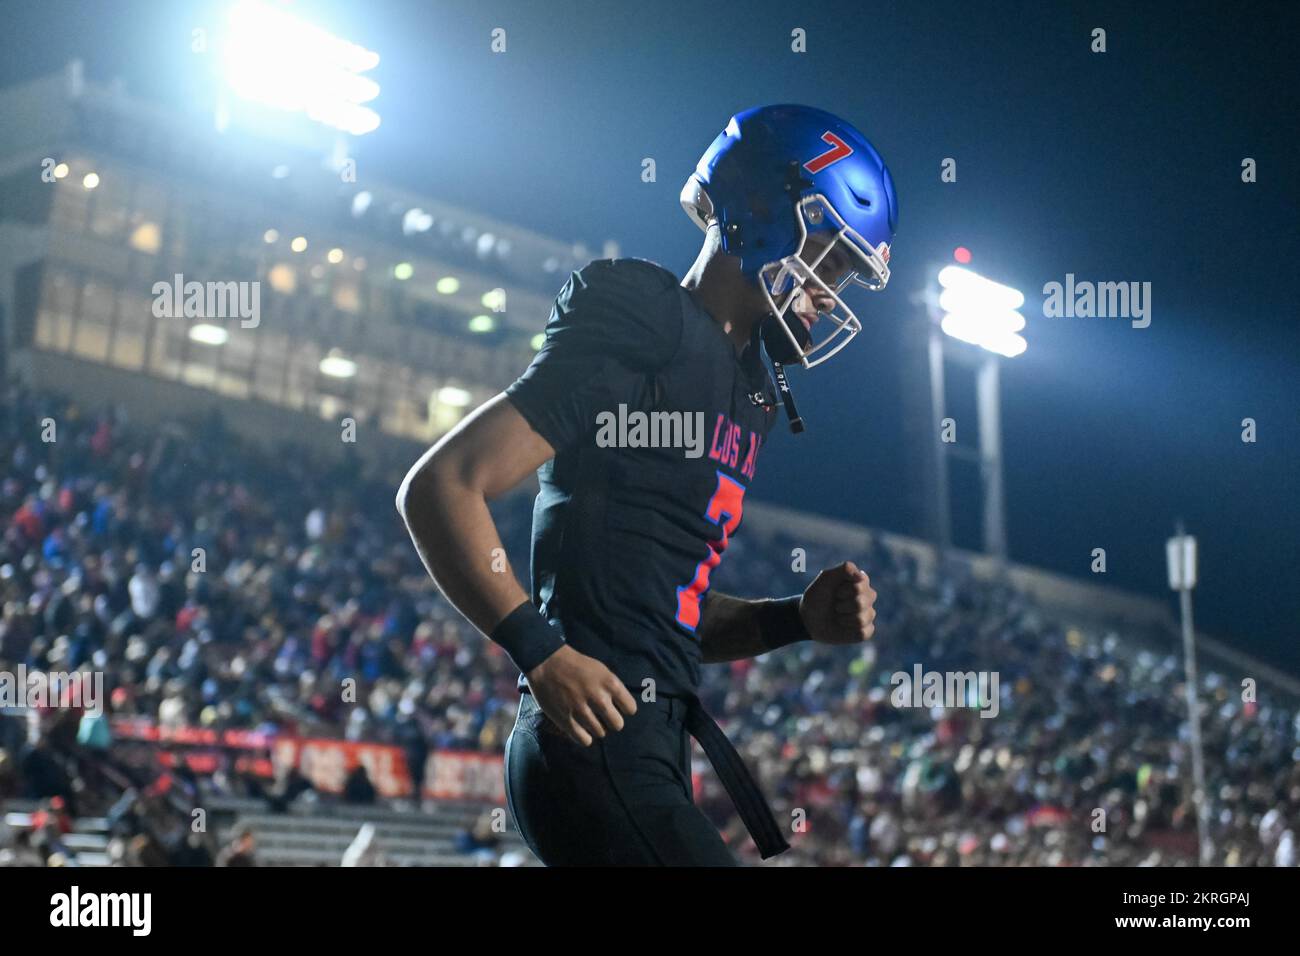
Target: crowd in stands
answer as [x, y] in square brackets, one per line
[219, 585]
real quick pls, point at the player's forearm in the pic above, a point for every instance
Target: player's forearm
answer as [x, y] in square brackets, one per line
[732, 628]
[457, 540]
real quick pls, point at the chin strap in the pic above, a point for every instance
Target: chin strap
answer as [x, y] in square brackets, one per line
[787, 397]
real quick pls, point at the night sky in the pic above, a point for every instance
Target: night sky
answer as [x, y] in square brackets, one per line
[1122, 166]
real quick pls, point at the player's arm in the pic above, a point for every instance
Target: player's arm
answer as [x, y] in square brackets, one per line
[837, 608]
[443, 500]
[611, 324]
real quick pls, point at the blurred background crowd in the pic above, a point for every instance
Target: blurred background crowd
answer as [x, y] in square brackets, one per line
[308, 580]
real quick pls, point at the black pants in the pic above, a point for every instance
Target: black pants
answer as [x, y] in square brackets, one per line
[623, 801]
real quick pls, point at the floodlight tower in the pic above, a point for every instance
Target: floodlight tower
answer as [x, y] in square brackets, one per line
[980, 314]
[281, 73]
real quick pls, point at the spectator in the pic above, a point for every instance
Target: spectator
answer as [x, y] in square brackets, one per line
[307, 580]
[358, 789]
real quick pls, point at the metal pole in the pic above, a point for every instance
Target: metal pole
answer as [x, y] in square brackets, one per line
[942, 517]
[989, 413]
[1194, 718]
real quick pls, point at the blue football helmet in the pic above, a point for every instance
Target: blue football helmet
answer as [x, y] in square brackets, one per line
[772, 178]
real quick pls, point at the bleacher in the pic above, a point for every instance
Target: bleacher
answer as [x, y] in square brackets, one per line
[1100, 663]
[316, 836]
[321, 836]
[88, 841]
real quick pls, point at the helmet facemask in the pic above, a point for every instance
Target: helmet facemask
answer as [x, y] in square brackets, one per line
[782, 281]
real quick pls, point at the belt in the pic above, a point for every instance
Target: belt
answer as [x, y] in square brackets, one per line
[735, 776]
[740, 785]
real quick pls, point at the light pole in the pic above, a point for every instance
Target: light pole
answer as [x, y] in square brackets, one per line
[942, 503]
[1180, 557]
[982, 313]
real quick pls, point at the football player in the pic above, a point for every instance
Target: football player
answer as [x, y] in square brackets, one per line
[796, 207]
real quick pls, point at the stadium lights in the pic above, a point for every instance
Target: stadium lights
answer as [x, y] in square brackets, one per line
[455, 397]
[1180, 561]
[981, 312]
[91, 180]
[416, 221]
[274, 58]
[482, 323]
[403, 271]
[299, 244]
[146, 237]
[537, 341]
[972, 309]
[61, 171]
[335, 366]
[448, 285]
[206, 334]
[282, 278]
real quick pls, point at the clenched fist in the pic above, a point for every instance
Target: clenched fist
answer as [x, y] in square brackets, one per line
[839, 606]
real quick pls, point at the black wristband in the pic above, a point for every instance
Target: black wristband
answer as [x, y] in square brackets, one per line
[779, 623]
[527, 637]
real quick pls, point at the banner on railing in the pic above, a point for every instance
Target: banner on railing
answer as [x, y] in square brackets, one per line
[448, 774]
[328, 763]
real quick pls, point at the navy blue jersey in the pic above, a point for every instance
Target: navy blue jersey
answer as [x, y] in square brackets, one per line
[657, 424]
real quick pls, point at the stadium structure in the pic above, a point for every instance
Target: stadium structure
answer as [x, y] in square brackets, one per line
[327, 302]
[398, 310]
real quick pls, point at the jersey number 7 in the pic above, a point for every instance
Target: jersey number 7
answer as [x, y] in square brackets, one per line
[724, 510]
